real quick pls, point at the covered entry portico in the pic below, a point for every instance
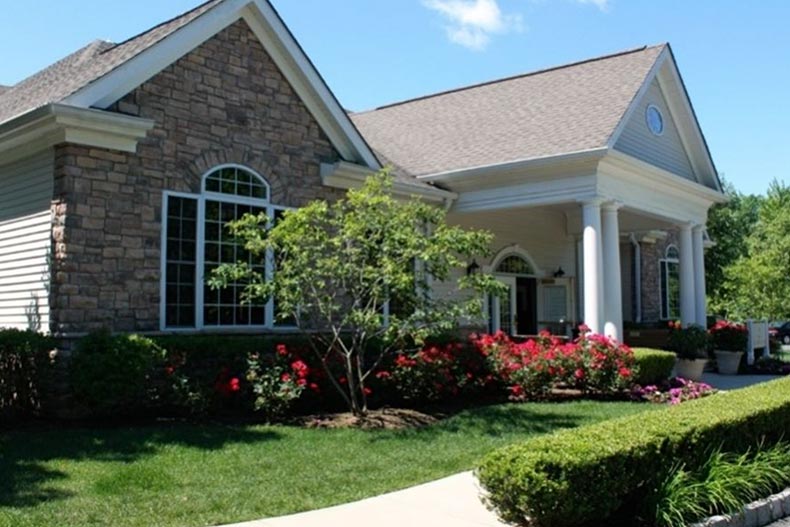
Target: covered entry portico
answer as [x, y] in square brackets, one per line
[558, 241]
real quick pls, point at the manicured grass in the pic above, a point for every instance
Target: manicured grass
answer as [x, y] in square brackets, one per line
[193, 475]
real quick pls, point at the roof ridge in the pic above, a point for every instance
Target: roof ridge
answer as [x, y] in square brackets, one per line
[512, 77]
[157, 26]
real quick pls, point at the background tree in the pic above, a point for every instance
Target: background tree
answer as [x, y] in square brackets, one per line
[729, 225]
[357, 273]
[757, 285]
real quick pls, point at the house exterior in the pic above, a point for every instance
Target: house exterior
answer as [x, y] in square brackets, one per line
[121, 162]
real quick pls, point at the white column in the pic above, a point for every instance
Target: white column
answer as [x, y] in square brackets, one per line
[612, 275]
[688, 314]
[593, 293]
[699, 275]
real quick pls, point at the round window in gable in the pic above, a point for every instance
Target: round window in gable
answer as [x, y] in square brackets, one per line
[655, 120]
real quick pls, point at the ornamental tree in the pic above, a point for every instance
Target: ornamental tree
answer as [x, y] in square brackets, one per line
[355, 277]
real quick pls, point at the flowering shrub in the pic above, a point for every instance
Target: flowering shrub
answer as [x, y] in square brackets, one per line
[592, 363]
[277, 381]
[689, 342]
[674, 391]
[729, 336]
[437, 372]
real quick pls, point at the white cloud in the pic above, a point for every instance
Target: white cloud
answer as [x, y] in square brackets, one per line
[472, 22]
[603, 5]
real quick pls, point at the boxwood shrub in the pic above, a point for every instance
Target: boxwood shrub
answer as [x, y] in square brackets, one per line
[25, 366]
[586, 475]
[653, 366]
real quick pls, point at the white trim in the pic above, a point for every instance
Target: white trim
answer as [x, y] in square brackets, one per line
[346, 175]
[200, 255]
[59, 123]
[513, 250]
[509, 167]
[236, 166]
[278, 42]
[652, 106]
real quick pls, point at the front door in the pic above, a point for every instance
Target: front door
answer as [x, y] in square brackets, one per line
[526, 306]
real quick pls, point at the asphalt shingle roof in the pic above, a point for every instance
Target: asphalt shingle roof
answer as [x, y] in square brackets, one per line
[70, 74]
[549, 112]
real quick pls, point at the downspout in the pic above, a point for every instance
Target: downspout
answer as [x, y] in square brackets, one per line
[637, 277]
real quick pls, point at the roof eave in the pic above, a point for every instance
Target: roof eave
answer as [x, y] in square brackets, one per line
[52, 124]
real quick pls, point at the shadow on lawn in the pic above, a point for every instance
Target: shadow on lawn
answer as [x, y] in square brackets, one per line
[498, 421]
[26, 481]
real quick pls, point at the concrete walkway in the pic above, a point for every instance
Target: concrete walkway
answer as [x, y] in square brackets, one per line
[448, 502]
[734, 382]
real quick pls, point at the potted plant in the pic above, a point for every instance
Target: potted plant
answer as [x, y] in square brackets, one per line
[729, 342]
[690, 344]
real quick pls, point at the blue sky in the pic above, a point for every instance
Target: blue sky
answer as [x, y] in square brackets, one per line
[734, 55]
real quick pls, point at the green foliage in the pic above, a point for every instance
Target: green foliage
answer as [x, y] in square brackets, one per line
[113, 375]
[722, 485]
[652, 366]
[338, 267]
[586, 475]
[757, 284]
[690, 342]
[729, 225]
[25, 365]
[277, 381]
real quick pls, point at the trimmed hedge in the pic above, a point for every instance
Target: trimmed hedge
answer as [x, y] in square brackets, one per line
[24, 370]
[653, 366]
[586, 475]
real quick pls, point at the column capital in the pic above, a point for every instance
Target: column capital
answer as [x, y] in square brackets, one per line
[612, 206]
[595, 201]
[699, 227]
[685, 226]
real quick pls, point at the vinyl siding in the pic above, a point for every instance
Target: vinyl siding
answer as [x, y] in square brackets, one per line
[25, 241]
[540, 232]
[665, 151]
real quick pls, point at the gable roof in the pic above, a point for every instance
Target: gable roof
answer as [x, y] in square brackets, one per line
[558, 111]
[102, 72]
[63, 78]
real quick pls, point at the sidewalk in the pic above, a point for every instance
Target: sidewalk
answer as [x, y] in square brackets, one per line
[448, 502]
[734, 382]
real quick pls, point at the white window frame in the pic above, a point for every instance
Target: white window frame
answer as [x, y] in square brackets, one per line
[200, 250]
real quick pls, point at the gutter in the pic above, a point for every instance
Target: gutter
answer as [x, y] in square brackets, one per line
[518, 165]
[347, 175]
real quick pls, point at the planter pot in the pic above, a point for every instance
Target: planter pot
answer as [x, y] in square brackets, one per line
[690, 369]
[728, 361]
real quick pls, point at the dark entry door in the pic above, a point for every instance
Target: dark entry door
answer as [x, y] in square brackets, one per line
[526, 306]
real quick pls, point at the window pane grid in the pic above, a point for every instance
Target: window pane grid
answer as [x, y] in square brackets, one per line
[180, 262]
[237, 182]
[224, 307]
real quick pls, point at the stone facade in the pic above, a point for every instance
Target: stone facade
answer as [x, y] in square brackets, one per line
[652, 253]
[225, 102]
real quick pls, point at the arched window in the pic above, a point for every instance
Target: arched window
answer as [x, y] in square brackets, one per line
[196, 241]
[514, 264]
[669, 283]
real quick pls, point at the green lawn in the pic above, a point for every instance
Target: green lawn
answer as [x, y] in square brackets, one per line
[193, 475]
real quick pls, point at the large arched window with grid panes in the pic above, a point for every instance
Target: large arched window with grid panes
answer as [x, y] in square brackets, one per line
[195, 241]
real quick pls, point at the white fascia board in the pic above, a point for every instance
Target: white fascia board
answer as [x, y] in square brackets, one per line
[57, 123]
[529, 194]
[491, 172]
[276, 40]
[653, 192]
[346, 176]
[650, 174]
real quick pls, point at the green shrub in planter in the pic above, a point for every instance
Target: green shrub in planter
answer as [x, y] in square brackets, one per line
[117, 374]
[585, 475]
[24, 372]
[653, 366]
